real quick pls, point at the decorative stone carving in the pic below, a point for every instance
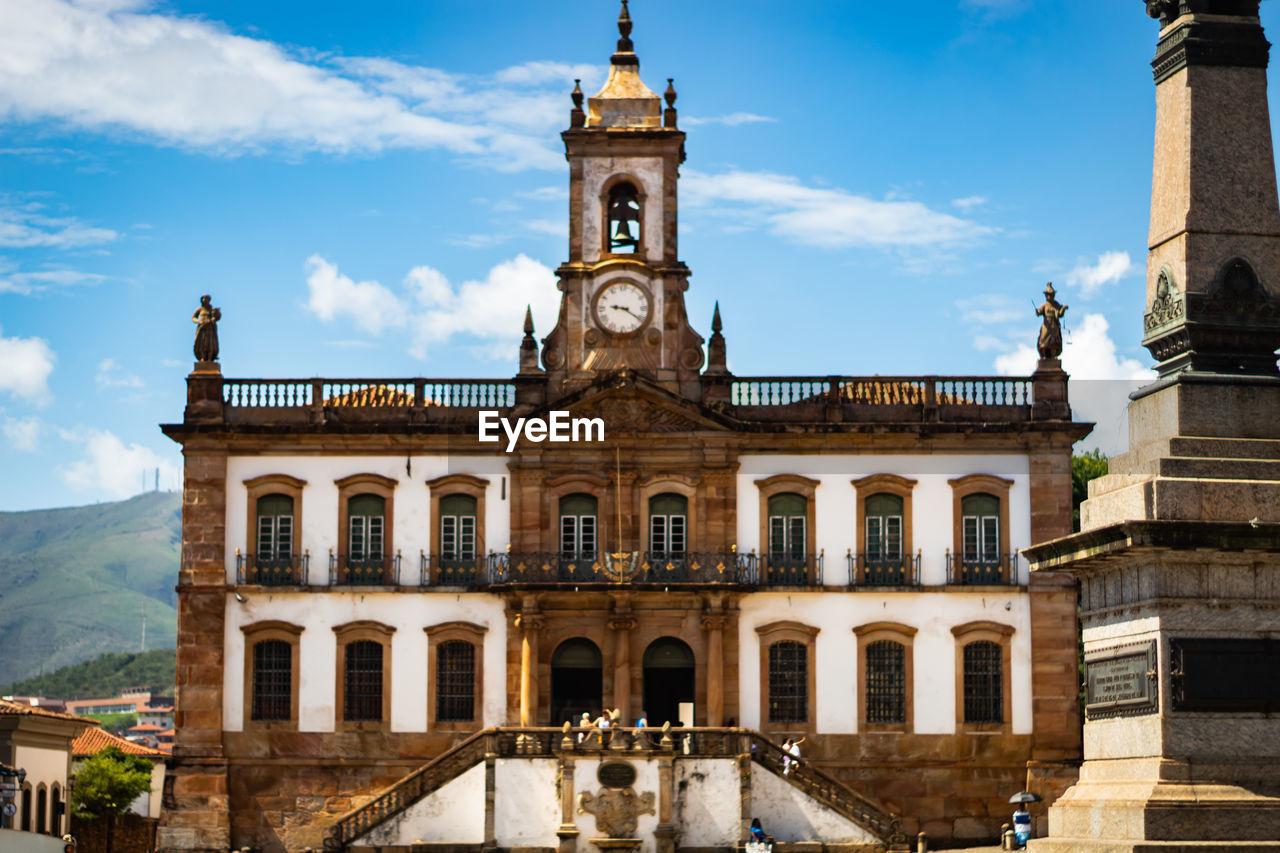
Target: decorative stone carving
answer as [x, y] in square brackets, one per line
[1165, 10]
[1237, 294]
[1168, 305]
[617, 812]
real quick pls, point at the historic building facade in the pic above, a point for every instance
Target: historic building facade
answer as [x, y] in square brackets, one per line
[365, 582]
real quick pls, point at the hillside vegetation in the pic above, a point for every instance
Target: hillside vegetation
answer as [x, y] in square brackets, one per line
[75, 582]
[103, 676]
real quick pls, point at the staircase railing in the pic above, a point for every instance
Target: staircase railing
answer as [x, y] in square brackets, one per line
[824, 788]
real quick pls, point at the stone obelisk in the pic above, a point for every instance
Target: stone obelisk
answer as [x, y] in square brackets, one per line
[1179, 554]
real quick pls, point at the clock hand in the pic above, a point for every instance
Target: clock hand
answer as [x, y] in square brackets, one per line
[628, 310]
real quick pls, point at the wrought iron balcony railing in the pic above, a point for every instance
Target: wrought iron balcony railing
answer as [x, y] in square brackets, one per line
[347, 571]
[557, 567]
[788, 569]
[435, 570]
[994, 571]
[877, 570]
[290, 570]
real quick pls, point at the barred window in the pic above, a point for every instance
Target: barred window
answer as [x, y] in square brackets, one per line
[983, 683]
[363, 682]
[272, 680]
[455, 681]
[886, 682]
[788, 682]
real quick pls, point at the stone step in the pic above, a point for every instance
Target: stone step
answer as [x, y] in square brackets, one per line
[1219, 469]
[1229, 448]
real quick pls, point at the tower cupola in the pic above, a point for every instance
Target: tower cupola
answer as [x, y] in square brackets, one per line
[625, 101]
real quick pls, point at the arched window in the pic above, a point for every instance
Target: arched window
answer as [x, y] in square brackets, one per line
[886, 682]
[42, 809]
[362, 694]
[26, 806]
[883, 529]
[983, 682]
[56, 809]
[366, 520]
[788, 517]
[668, 524]
[788, 682]
[275, 529]
[624, 219]
[578, 525]
[980, 519]
[458, 527]
[272, 681]
[455, 681]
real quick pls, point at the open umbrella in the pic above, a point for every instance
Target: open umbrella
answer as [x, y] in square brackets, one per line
[1023, 797]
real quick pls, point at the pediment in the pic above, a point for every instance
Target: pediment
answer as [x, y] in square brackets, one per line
[628, 402]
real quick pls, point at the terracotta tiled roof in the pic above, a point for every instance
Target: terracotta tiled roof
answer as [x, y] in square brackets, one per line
[8, 708]
[94, 740]
[144, 727]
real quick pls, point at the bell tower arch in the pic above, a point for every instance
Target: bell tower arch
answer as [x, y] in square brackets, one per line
[622, 304]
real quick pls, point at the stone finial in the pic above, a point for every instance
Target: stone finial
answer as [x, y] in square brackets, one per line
[717, 358]
[528, 346]
[577, 116]
[669, 114]
[624, 30]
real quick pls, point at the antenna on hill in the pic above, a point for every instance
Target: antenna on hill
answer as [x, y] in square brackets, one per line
[157, 478]
[143, 606]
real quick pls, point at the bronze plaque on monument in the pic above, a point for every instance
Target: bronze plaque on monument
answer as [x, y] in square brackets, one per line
[1120, 681]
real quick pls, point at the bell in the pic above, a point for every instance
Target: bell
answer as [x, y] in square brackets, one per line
[622, 236]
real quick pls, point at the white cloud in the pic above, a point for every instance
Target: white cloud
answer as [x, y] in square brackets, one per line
[25, 365]
[1110, 267]
[111, 468]
[33, 282]
[825, 217]
[433, 310]
[970, 202]
[1088, 353]
[545, 194]
[729, 120]
[554, 227]
[111, 375]
[332, 295]
[24, 226]
[113, 65]
[988, 309]
[23, 433]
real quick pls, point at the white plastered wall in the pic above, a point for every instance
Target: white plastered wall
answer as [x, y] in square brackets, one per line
[584, 781]
[408, 613]
[790, 816]
[648, 172]
[706, 798]
[411, 522]
[932, 614]
[453, 814]
[526, 810]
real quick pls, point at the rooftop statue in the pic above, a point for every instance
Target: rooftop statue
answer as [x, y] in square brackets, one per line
[206, 318]
[1050, 343]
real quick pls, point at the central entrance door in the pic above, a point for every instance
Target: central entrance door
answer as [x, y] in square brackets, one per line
[668, 680]
[577, 682]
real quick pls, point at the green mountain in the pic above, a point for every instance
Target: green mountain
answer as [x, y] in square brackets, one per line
[76, 582]
[105, 675]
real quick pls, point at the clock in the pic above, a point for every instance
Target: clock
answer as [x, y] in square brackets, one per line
[622, 308]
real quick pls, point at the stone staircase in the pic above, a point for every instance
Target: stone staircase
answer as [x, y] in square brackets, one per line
[746, 748]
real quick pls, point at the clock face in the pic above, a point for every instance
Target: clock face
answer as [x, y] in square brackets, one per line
[622, 308]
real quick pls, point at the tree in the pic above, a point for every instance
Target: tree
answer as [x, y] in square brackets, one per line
[1085, 467]
[108, 783]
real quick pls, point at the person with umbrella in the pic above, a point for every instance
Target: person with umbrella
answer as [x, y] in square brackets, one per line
[1022, 817]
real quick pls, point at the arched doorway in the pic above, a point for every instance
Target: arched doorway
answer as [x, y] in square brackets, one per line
[577, 683]
[668, 680]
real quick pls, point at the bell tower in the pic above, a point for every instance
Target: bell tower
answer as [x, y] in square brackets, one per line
[623, 285]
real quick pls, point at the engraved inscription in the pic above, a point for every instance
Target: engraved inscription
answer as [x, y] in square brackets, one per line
[1121, 681]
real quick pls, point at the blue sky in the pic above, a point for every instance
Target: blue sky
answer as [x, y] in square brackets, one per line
[378, 189]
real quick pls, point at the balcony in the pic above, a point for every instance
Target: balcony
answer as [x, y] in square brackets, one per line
[868, 570]
[994, 571]
[788, 569]
[290, 570]
[627, 567]
[363, 571]
[434, 570]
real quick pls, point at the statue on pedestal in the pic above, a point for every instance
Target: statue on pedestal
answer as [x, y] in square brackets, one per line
[1050, 343]
[206, 318]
